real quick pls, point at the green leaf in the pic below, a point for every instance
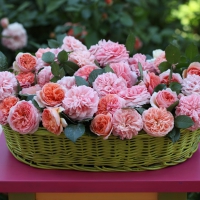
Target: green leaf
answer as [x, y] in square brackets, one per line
[160, 87]
[61, 73]
[183, 121]
[126, 19]
[63, 56]
[3, 62]
[174, 134]
[107, 68]
[130, 42]
[55, 79]
[60, 38]
[81, 81]
[48, 57]
[141, 70]
[196, 59]
[164, 66]
[191, 51]
[183, 59]
[53, 5]
[40, 4]
[86, 13]
[30, 97]
[172, 106]
[55, 69]
[94, 74]
[140, 110]
[19, 88]
[73, 132]
[70, 67]
[172, 54]
[34, 102]
[53, 43]
[175, 87]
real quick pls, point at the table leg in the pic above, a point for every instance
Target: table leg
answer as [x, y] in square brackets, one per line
[172, 196]
[21, 196]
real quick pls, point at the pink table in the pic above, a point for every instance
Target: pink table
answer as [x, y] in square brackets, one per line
[18, 177]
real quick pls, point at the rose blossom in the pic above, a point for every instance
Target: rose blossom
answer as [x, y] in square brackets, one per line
[191, 85]
[164, 77]
[110, 103]
[26, 79]
[51, 94]
[40, 52]
[159, 58]
[126, 123]
[190, 106]
[157, 122]
[109, 52]
[40, 64]
[25, 62]
[8, 84]
[30, 90]
[136, 96]
[67, 82]
[194, 68]
[150, 80]
[123, 70]
[109, 83]
[5, 106]
[51, 120]
[44, 76]
[82, 58]
[4, 22]
[101, 125]
[24, 117]
[85, 71]
[70, 43]
[163, 98]
[80, 102]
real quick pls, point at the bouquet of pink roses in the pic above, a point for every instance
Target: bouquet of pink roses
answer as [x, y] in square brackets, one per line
[68, 88]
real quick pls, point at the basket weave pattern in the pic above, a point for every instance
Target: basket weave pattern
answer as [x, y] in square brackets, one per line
[48, 151]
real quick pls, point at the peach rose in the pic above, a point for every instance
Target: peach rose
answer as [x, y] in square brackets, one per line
[101, 125]
[26, 79]
[5, 106]
[25, 62]
[51, 94]
[158, 122]
[194, 68]
[24, 117]
[51, 120]
[30, 90]
[163, 98]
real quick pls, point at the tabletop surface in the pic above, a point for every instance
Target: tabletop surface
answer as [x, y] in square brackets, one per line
[19, 177]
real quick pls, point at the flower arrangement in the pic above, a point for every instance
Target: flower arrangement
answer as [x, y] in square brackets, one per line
[68, 88]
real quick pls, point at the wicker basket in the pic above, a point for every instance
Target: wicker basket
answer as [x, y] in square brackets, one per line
[48, 151]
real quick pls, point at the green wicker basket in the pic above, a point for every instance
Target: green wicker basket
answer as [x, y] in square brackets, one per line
[48, 151]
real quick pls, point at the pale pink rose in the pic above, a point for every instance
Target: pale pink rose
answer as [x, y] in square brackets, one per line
[14, 36]
[4, 22]
[190, 106]
[67, 82]
[191, 85]
[24, 117]
[82, 58]
[126, 123]
[31, 90]
[109, 52]
[70, 43]
[51, 120]
[151, 80]
[40, 52]
[194, 68]
[110, 103]
[164, 77]
[136, 96]
[40, 64]
[163, 98]
[85, 71]
[159, 59]
[44, 76]
[80, 103]
[157, 122]
[109, 83]
[25, 62]
[8, 85]
[26, 79]
[123, 70]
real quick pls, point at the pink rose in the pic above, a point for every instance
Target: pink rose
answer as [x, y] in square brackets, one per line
[109, 52]
[82, 58]
[4, 22]
[40, 64]
[163, 98]
[14, 36]
[109, 83]
[44, 76]
[67, 82]
[26, 79]
[8, 84]
[70, 43]
[194, 68]
[40, 52]
[159, 59]
[158, 122]
[190, 106]
[80, 103]
[126, 123]
[85, 71]
[30, 90]
[24, 117]
[123, 70]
